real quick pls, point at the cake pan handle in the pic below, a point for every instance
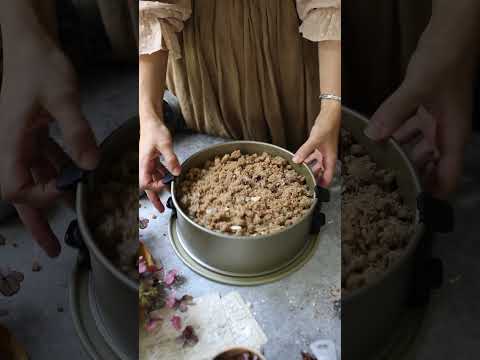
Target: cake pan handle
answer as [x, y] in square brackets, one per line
[69, 177]
[318, 220]
[428, 276]
[171, 206]
[74, 239]
[436, 214]
[322, 194]
[168, 178]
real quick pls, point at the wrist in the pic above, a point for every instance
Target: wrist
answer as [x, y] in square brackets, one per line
[330, 115]
[151, 119]
[149, 108]
[330, 111]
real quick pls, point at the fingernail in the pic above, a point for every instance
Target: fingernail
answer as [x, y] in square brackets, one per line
[295, 159]
[176, 171]
[89, 159]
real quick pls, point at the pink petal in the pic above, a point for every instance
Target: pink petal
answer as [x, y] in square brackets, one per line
[171, 301]
[176, 322]
[152, 324]
[142, 267]
[170, 277]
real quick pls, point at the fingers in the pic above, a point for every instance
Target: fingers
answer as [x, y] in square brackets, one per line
[20, 186]
[394, 111]
[445, 178]
[38, 226]
[55, 154]
[170, 159]
[423, 152]
[78, 135]
[329, 170]
[155, 200]
[151, 173]
[317, 170]
[303, 153]
[314, 158]
[407, 132]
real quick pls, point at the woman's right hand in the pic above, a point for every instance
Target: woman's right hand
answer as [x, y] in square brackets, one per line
[155, 141]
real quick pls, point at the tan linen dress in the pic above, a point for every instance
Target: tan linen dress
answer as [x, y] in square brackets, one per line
[243, 69]
[379, 38]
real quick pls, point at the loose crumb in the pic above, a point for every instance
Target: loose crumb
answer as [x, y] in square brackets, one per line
[376, 224]
[36, 267]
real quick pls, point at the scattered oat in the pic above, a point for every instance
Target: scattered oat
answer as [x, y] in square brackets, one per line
[36, 267]
[143, 223]
[176, 322]
[170, 277]
[307, 356]
[10, 282]
[188, 337]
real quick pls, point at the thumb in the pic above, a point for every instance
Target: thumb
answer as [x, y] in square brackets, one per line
[76, 131]
[170, 159]
[392, 113]
[305, 150]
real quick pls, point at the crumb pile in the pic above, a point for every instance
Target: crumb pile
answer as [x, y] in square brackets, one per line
[376, 224]
[114, 213]
[245, 194]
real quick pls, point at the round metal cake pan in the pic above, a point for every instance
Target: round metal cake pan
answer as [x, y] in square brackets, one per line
[86, 326]
[371, 314]
[233, 279]
[243, 255]
[115, 295]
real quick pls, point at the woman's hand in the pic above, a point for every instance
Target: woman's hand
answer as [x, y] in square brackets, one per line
[431, 111]
[155, 141]
[321, 149]
[39, 87]
[435, 98]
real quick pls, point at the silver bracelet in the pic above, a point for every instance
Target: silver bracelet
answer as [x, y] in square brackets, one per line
[330, 97]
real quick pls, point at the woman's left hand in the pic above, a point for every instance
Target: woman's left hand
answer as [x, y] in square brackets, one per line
[321, 149]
